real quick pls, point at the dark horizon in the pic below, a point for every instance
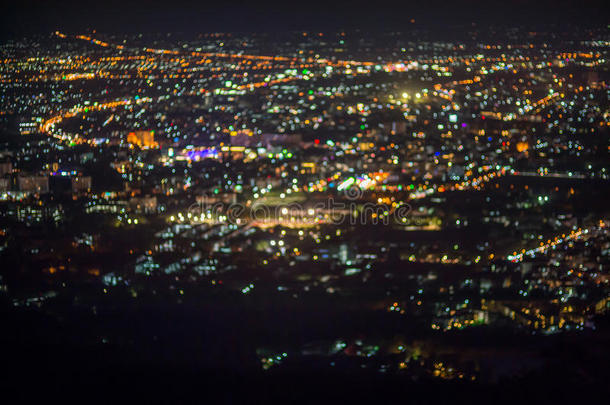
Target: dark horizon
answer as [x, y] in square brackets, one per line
[39, 17]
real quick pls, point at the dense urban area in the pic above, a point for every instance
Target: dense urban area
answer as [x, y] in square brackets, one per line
[421, 207]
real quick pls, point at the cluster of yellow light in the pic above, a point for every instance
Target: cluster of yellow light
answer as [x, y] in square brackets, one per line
[142, 139]
[551, 243]
[522, 146]
[574, 55]
[543, 102]
[49, 125]
[473, 183]
[93, 40]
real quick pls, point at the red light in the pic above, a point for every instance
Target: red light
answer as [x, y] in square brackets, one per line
[316, 141]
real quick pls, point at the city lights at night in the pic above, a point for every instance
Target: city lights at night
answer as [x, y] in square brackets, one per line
[273, 204]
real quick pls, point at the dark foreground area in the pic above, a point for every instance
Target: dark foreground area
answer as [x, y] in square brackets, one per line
[189, 356]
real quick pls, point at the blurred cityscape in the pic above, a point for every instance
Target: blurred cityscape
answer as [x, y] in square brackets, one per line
[407, 204]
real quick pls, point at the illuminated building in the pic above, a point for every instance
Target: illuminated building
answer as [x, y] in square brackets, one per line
[142, 139]
[30, 126]
[522, 146]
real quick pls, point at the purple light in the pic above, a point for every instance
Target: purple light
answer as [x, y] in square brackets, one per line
[202, 154]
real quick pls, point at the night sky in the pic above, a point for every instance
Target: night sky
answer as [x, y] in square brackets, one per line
[39, 16]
